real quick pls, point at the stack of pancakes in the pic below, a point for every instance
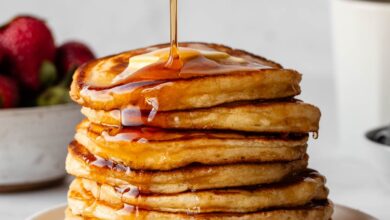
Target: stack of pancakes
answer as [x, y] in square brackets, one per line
[228, 145]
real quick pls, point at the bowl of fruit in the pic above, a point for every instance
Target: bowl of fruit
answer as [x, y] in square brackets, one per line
[36, 117]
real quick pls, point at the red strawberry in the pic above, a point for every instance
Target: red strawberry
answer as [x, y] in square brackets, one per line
[71, 55]
[9, 93]
[28, 42]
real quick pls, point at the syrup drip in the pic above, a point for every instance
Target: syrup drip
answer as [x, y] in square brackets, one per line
[150, 134]
[131, 116]
[174, 61]
[126, 209]
[128, 191]
[154, 103]
[109, 164]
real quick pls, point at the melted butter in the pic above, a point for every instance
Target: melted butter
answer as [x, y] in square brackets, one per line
[154, 70]
[160, 64]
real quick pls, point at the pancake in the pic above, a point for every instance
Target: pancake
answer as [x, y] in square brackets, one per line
[94, 84]
[279, 116]
[157, 149]
[297, 192]
[318, 210]
[218, 136]
[82, 163]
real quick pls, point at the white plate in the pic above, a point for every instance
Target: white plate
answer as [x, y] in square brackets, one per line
[345, 213]
[54, 213]
[341, 213]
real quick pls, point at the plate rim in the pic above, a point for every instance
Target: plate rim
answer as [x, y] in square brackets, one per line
[354, 210]
[62, 207]
[37, 215]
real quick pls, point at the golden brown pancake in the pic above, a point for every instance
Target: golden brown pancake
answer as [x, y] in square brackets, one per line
[321, 210]
[221, 137]
[82, 163]
[298, 192]
[94, 85]
[288, 116]
[158, 149]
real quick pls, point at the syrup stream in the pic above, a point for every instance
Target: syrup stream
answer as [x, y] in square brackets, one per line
[174, 61]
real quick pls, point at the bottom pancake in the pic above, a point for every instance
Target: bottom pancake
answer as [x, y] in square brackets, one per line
[299, 191]
[81, 163]
[83, 210]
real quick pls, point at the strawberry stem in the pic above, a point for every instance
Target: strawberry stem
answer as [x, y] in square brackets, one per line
[47, 73]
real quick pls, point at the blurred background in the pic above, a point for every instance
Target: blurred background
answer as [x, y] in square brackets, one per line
[298, 34]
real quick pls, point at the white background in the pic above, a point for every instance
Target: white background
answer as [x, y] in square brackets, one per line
[295, 33]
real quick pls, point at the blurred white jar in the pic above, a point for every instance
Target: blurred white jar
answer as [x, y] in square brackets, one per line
[361, 45]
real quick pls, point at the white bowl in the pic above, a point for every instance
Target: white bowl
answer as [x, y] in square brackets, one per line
[380, 156]
[33, 143]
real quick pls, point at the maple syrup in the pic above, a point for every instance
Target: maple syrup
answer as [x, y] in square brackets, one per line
[155, 67]
[159, 68]
[160, 65]
[174, 61]
[150, 134]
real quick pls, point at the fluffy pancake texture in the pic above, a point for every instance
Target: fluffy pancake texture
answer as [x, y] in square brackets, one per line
[299, 192]
[83, 203]
[157, 149]
[81, 163]
[219, 138]
[316, 211]
[288, 116]
[94, 87]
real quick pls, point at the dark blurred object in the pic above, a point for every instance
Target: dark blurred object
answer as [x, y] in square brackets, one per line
[381, 135]
[2, 54]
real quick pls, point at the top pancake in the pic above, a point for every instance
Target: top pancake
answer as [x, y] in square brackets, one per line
[94, 85]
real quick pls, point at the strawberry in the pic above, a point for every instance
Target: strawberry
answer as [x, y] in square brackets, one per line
[9, 93]
[71, 55]
[28, 42]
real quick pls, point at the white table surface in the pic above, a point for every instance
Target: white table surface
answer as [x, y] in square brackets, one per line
[352, 180]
